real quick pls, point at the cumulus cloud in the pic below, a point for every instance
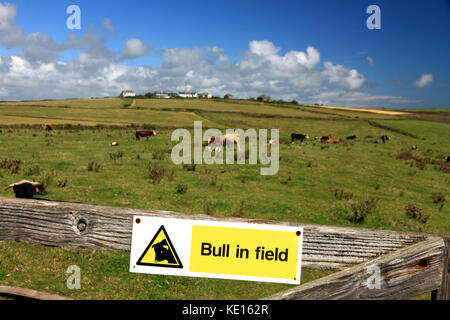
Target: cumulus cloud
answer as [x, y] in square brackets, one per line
[108, 26]
[135, 48]
[424, 80]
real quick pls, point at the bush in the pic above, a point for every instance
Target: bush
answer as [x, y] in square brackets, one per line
[414, 212]
[30, 171]
[156, 172]
[181, 188]
[208, 208]
[158, 155]
[116, 155]
[12, 165]
[94, 166]
[360, 210]
[341, 194]
[62, 183]
[439, 198]
[190, 167]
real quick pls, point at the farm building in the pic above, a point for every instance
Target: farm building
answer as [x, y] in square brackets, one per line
[162, 95]
[128, 93]
[188, 95]
[205, 95]
[264, 98]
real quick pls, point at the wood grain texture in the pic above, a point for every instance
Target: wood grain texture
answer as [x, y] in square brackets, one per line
[405, 273]
[29, 294]
[110, 228]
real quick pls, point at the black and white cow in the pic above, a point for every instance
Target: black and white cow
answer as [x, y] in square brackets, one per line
[298, 136]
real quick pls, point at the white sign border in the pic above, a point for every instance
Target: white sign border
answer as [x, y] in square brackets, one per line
[182, 244]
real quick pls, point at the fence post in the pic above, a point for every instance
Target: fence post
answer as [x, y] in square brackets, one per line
[443, 293]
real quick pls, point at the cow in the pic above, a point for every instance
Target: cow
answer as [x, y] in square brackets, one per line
[324, 139]
[114, 144]
[162, 252]
[414, 148]
[25, 189]
[145, 134]
[48, 127]
[335, 141]
[298, 136]
[385, 138]
[448, 159]
[218, 143]
[351, 138]
[10, 131]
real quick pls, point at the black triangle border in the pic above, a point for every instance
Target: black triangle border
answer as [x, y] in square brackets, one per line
[140, 263]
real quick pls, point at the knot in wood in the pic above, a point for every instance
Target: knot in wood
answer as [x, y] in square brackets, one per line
[82, 225]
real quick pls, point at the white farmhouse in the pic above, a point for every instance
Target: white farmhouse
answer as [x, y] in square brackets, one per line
[128, 93]
[188, 95]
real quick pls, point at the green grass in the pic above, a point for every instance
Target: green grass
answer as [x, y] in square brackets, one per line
[299, 193]
[105, 276]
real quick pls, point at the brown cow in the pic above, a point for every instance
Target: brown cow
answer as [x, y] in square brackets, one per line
[145, 134]
[336, 141]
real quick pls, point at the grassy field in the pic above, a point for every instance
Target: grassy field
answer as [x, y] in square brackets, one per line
[362, 183]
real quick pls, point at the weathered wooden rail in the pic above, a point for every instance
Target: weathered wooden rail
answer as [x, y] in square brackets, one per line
[410, 263]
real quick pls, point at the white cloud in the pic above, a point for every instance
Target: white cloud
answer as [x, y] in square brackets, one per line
[108, 26]
[135, 48]
[424, 80]
[370, 61]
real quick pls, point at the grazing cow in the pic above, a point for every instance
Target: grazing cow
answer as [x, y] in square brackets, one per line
[25, 189]
[297, 136]
[324, 139]
[336, 141]
[145, 134]
[48, 127]
[448, 159]
[351, 138]
[414, 148]
[274, 142]
[114, 144]
[218, 143]
[385, 138]
[162, 252]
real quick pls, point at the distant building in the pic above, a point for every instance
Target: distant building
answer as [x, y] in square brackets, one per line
[264, 98]
[128, 93]
[188, 95]
[228, 96]
[162, 95]
[205, 95]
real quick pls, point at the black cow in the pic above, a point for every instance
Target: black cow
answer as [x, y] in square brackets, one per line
[351, 138]
[162, 252]
[25, 189]
[301, 137]
[448, 159]
[385, 138]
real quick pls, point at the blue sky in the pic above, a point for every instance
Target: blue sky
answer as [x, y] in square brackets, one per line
[221, 46]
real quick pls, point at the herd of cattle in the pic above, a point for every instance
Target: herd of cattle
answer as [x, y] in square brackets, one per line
[328, 139]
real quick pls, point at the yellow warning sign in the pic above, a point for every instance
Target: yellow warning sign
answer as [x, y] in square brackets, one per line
[160, 252]
[245, 252]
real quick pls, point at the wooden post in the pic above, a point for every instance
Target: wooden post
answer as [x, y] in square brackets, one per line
[443, 293]
[403, 274]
